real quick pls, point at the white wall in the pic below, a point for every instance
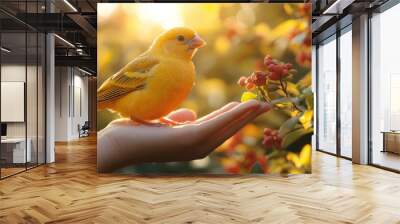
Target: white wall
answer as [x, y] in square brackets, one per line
[61, 103]
[14, 73]
[71, 94]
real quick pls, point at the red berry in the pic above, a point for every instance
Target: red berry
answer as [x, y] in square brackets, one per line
[274, 76]
[271, 67]
[250, 85]
[278, 69]
[242, 81]
[268, 60]
[272, 138]
[267, 131]
[259, 78]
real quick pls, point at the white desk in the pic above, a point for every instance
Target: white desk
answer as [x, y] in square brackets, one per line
[18, 149]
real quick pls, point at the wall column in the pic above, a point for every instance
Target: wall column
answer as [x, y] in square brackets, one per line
[360, 89]
[50, 99]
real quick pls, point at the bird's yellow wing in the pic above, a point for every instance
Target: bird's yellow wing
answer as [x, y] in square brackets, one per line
[129, 79]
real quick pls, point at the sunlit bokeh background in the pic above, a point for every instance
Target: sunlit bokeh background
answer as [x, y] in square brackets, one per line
[238, 37]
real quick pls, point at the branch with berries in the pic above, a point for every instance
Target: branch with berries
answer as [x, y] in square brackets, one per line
[271, 83]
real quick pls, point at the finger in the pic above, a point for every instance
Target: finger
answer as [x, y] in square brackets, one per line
[122, 122]
[182, 115]
[223, 109]
[222, 135]
[222, 120]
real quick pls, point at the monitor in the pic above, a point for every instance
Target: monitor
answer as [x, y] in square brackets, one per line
[3, 129]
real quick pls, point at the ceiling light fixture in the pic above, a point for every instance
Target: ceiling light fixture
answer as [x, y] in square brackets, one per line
[70, 5]
[65, 41]
[5, 50]
[331, 8]
[337, 7]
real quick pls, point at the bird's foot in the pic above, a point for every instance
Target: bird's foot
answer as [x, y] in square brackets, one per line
[148, 123]
[170, 122]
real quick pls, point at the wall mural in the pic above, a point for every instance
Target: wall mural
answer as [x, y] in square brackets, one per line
[220, 88]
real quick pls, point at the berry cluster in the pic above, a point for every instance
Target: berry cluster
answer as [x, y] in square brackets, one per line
[257, 78]
[277, 70]
[272, 138]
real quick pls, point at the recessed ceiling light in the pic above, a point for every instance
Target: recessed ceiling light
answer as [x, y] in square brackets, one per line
[5, 50]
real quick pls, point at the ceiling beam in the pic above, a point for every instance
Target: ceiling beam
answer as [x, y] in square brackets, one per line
[78, 61]
[83, 23]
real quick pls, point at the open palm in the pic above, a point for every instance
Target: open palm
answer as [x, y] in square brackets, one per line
[124, 142]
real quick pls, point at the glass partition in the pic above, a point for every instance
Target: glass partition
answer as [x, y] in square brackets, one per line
[31, 97]
[327, 96]
[385, 89]
[13, 94]
[41, 96]
[22, 78]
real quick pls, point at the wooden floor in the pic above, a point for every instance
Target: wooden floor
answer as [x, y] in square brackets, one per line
[10, 171]
[387, 159]
[70, 191]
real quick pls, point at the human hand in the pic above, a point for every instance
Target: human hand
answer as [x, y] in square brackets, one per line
[124, 142]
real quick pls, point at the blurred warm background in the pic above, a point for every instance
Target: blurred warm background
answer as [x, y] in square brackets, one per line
[238, 37]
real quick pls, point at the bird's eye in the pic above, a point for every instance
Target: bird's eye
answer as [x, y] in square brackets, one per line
[180, 38]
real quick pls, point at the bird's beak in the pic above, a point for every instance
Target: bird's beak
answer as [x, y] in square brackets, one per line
[196, 42]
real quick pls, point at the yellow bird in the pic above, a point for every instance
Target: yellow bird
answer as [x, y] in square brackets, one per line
[157, 81]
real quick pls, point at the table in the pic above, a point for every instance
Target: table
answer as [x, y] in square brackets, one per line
[391, 141]
[15, 148]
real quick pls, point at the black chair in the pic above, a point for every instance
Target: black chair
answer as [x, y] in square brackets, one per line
[84, 130]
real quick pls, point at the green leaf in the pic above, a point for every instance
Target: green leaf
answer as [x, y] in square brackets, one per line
[288, 126]
[310, 102]
[274, 118]
[280, 93]
[280, 100]
[246, 96]
[305, 81]
[295, 135]
[257, 168]
[292, 89]
[307, 91]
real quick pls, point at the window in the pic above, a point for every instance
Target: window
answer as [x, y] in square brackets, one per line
[346, 95]
[385, 89]
[327, 96]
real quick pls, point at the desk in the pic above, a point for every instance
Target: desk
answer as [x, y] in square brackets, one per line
[391, 141]
[13, 150]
